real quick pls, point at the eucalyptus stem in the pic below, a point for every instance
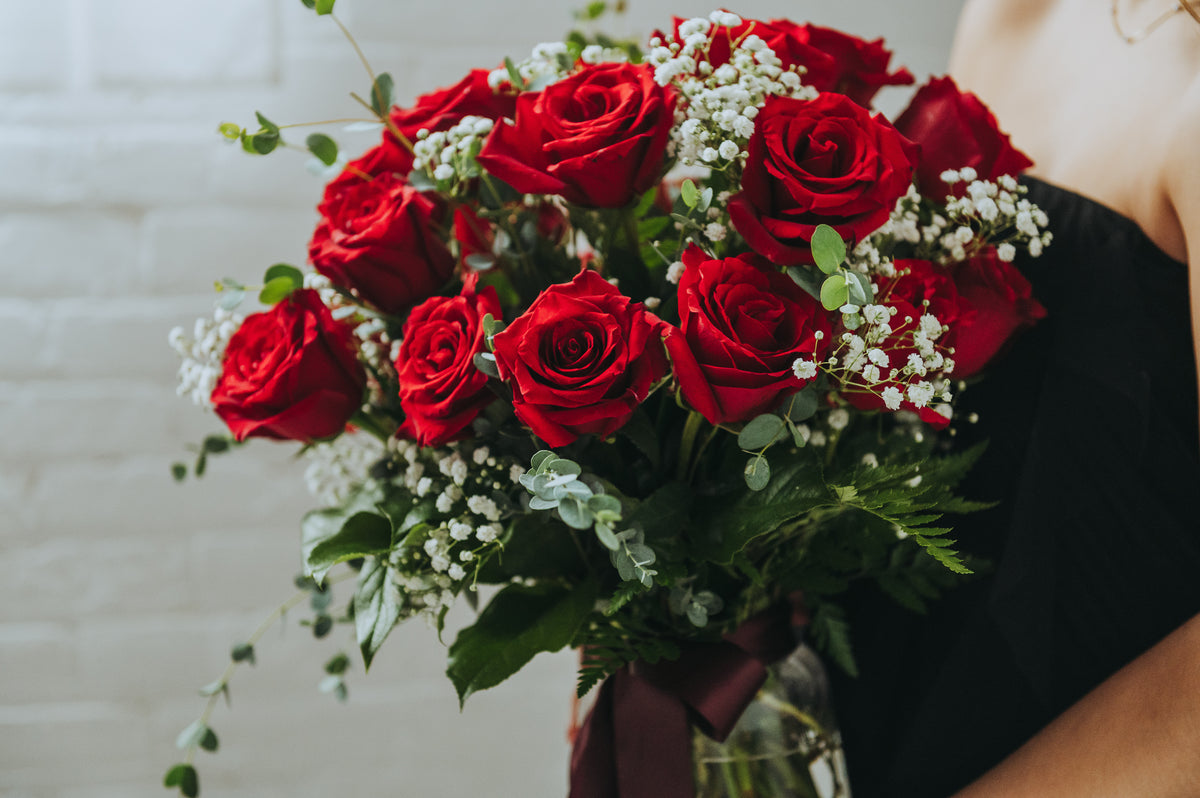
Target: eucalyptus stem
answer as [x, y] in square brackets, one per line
[266, 624]
[384, 117]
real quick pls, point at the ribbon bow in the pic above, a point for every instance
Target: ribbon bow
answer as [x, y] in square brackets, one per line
[636, 742]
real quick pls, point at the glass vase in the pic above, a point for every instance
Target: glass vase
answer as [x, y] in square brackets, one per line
[785, 745]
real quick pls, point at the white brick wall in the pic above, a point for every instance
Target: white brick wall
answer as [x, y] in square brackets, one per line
[121, 592]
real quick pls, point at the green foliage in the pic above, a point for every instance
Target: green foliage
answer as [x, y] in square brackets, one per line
[828, 249]
[324, 6]
[757, 472]
[519, 623]
[242, 652]
[608, 647]
[376, 607]
[364, 534]
[381, 92]
[761, 431]
[184, 777]
[835, 291]
[324, 148]
[232, 293]
[832, 634]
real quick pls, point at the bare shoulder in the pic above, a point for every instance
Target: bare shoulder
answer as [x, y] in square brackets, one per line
[1181, 170]
[983, 22]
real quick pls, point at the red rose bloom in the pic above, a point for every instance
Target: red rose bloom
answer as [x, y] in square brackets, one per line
[1003, 304]
[437, 111]
[916, 282]
[381, 239]
[580, 360]
[955, 129]
[742, 324]
[834, 61]
[441, 391]
[597, 138]
[291, 372]
[818, 161]
[854, 67]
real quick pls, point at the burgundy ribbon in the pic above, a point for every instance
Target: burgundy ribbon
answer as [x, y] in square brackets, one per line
[636, 742]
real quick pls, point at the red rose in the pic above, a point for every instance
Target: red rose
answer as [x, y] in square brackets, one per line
[916, 283]
[381, 239]
[441, 391]
[437, 111]
[955, 129]
[818, 161]
[742, 324]
[291, 372]
[1003, 305]
[833, 61]
[597, 138]
[580, 360]
[855, 67]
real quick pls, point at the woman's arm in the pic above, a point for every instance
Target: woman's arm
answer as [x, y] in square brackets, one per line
[1137, 735]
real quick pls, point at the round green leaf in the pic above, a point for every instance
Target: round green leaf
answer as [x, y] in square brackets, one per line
[834, 292]
[757, 473]
[179, 471]
[323, 147]
[184, 777]
[276, 290]
[243, 652]
[230, 131]
[284, 270]
[828, 249]
[209, 740]
[690, 194]
[761, 431]
[322, 625]
[263, 143]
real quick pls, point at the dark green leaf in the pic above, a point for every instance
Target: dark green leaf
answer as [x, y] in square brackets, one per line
[653, 227]
[861, 291]
[517, 624]
[263, 143]
[364, 534]
[801, 406]
[337, 665]
[832, 634]
[309, 3]
[807, 279]
[324, 6]
[486, 362]
[243, 652]
[761, 431]
[322, 625]
[179, 471]
[834, 292]
[184, 777]
[209, 741]
[267, 124]
[828, 249]
[276, 291]
[284, 270]
[323, 147]
[381, 91]
[216, 444]
[376, 607]
[514, 76]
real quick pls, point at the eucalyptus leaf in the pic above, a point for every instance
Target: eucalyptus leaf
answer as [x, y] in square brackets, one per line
[267, 124]
[757, 473]
[834, 292]
[539, 459]
[421, 181]
[276, 290]
[184, 777]
[604, 533]
[191, 735]
[231, 298]
[323, 147]
[689, 193]
[242, 652]
[381, 90]
[322, 625]
[761, 431]
[209, 740]
[863, 283]
[807, 279]
[337, 665]
[803, 405]
[828, 248]
[324, 6]
[574, 513]
[479, 261]
[179, 471]
[486, 362]
[376, 607]
[263, 143]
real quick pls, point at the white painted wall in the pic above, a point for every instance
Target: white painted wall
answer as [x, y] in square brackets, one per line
[121, 592]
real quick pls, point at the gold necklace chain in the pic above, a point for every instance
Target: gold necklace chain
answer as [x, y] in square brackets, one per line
[1137, 36]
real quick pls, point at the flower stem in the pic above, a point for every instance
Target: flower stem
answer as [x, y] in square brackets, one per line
[687, 443]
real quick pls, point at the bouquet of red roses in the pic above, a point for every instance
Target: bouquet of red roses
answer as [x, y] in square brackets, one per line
[655, 340]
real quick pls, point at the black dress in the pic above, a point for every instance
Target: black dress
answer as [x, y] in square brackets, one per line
[1094, 458]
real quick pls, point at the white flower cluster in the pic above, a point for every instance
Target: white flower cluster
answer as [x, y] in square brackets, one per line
[202, 353]
[337, 468]
[462, 484]
[449, 156]
[908, 367]
[550, 62]
[996, 211]
[715, 118]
